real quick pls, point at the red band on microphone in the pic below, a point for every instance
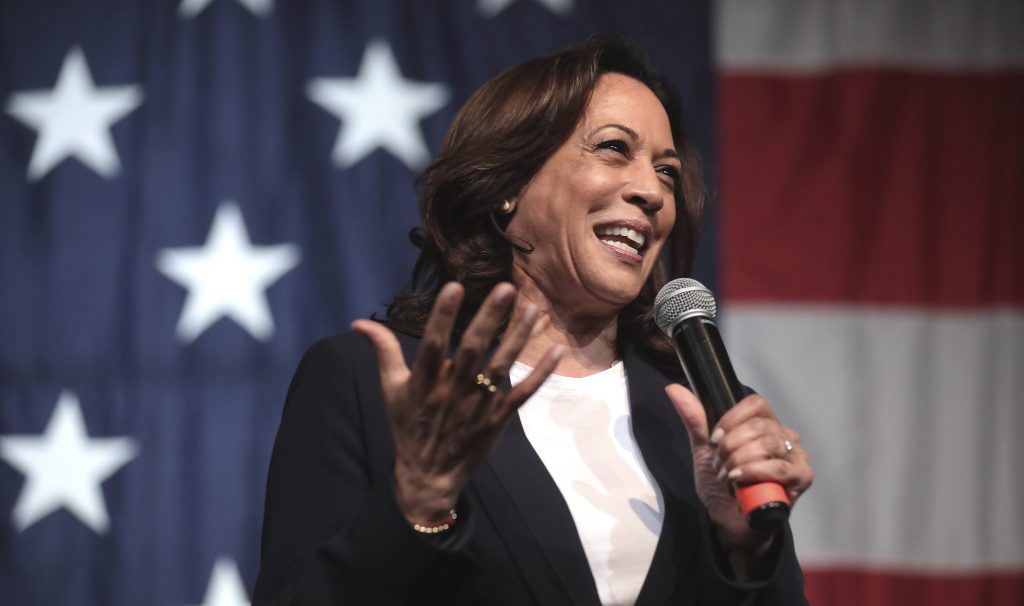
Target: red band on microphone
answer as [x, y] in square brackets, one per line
[752, 496]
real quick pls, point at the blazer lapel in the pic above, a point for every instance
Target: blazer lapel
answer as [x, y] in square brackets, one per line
[540, 533]
[665, 447]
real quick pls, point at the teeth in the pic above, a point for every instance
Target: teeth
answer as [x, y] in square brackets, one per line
[620, 245]
[632, 234]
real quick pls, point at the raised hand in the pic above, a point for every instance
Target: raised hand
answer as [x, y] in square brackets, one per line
[446, 413]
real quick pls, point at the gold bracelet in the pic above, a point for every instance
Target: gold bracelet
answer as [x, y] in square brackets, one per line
[438, 526]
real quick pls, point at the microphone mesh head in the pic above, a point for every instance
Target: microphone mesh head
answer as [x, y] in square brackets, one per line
[680, 299]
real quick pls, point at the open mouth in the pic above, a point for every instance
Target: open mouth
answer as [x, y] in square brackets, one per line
[624, 238]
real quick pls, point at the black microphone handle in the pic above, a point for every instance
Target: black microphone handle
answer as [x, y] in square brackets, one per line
[712, 378]
[707, 366]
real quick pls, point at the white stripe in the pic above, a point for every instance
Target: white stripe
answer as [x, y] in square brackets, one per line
[914, 424]
[812, 35]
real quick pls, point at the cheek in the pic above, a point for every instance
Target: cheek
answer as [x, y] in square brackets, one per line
[666, 219]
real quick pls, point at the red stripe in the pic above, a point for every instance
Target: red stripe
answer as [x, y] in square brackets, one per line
[847, 587]
[873, 186]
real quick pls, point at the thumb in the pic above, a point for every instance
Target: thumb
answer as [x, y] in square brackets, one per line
[389, 352]
[691, 411]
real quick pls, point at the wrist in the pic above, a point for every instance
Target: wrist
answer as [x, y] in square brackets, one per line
[753, 559]
[435, 526]
[422, 499]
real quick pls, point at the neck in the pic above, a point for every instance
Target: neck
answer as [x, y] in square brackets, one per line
[589, 341]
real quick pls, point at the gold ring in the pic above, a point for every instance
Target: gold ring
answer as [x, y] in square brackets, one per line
[789, 449]
[484, 382]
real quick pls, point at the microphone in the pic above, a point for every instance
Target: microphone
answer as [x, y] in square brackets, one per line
[685, 310]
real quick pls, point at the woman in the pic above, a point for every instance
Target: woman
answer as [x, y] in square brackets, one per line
[422, 460]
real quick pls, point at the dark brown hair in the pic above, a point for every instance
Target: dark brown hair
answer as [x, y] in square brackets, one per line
[498, 141]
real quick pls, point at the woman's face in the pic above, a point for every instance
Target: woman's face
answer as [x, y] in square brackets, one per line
[599, 210]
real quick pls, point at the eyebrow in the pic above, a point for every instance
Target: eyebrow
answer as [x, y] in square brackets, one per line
[632, 134]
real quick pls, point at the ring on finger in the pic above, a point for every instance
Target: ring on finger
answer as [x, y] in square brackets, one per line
[789, 449]
[485, 384]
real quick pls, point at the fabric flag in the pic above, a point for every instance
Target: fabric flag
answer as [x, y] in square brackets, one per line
[872, 185]
[191, 193]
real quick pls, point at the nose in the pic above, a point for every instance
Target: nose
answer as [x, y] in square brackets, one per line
[645, 188]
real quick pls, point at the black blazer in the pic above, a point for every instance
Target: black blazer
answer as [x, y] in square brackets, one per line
[333, 533]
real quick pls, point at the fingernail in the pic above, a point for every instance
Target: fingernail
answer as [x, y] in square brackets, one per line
[721, 474]
[735, 473]
[557, 351]
[715, 461]
[716, 435]
[505, 294]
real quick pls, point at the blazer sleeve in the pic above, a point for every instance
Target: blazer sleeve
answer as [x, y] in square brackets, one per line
[784, 587]
[332, 530]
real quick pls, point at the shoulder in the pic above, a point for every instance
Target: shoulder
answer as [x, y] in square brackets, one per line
[337, 377]
[350, 349]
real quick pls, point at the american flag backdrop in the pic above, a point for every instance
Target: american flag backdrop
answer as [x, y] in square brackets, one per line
[872, 186]
[193, 191]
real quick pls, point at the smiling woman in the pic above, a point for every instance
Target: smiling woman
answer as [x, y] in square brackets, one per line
[536, 451]
[616, 173]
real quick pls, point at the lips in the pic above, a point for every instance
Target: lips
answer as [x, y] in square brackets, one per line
[628, 238]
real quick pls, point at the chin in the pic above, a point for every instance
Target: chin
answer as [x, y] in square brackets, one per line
[616, 297]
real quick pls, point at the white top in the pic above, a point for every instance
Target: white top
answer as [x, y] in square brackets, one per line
[582, 431]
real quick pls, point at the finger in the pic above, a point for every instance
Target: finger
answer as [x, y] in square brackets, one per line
[497, 370]
[692, 413]
[795, 476]
[437, 333]
[763, 447]
[747, 408]
[512, 342]
[389, 352]
[522, 391]
[480, 332]
[766, 434]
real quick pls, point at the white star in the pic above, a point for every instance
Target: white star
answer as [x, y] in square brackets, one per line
[490, 8]
[378, 109]
[225, 587]
[190, 8]
[74, 118]
[227, 277]
[63, 467]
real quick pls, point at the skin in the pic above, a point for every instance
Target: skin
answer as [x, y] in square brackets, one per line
[618, 166]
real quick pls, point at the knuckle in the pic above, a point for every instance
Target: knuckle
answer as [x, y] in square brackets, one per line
[471, 345]
[780, 468]
[757, 401]
[433, 343]
[496, 373]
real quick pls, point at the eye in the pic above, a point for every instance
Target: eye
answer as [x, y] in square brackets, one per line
[616, 145]
[671, 172]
